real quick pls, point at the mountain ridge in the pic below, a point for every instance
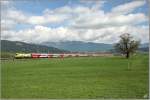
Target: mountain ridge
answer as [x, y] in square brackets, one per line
[17, 46]
[60, 47]
[80, 46]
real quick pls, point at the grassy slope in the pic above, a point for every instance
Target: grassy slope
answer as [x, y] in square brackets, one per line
[75, 78]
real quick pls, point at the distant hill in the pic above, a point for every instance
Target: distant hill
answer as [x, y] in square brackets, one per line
[144, 45]
[59, 47]
[16, 46]
[88, 46]
[80, 46]
[144, 49]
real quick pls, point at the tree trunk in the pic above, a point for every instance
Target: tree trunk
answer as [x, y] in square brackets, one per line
[127, 55]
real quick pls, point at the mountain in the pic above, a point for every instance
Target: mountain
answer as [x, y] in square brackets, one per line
[80, 46]
[144, 45]
[144, 49]
[88, 46]
[16, 46]
[75, 46]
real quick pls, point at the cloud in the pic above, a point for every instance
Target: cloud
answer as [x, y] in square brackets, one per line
[128, 7]
[40, 34]
[81, 16]
[46, 19]
[5, 2]
[84, 17]
[15, 15]
[97, 21]
[23, 18]
[97, 3]
[77, 23]
[7, 24]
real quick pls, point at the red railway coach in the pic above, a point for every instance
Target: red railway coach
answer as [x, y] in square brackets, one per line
[61, 55]
[35, 55]
[50, 55]
[39, 55]
[44, 56]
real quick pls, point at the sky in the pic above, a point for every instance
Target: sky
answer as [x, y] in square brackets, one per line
[98, 21]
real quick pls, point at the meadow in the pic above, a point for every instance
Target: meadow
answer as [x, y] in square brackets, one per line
[81, 77]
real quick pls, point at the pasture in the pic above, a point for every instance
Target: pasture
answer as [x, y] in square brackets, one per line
[82, 77]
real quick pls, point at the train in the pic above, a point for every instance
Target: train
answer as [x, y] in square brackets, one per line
[62, 55]
[45, 55]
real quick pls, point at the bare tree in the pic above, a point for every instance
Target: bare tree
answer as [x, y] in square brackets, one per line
[127, 45]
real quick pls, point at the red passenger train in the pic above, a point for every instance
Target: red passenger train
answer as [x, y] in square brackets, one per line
[38, 55]
[64, 55]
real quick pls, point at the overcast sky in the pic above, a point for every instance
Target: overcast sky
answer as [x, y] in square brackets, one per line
[37, 21]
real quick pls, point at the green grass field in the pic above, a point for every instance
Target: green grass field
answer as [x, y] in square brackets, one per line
[89, 77]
